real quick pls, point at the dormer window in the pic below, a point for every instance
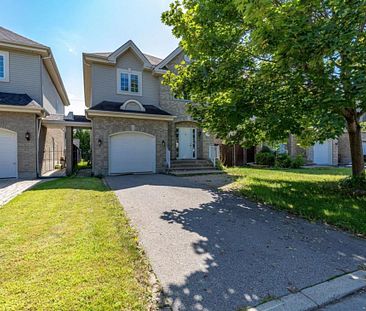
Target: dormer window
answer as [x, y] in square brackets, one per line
[132, 105]
[129, 82]
[4, 66]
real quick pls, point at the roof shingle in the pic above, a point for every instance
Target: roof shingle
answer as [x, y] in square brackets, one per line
[14, 99]
[116, 107]
[8, 36]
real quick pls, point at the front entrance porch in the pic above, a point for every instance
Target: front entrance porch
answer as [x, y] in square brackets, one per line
[188, 141]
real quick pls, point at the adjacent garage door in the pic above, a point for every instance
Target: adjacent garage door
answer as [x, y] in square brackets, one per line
[323, 153]
[8, 154]
[132, 152]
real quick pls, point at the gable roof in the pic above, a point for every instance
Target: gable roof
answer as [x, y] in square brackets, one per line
[154, 60]
[169, 58]
[150, 62]
[12, 40]
[9, 36]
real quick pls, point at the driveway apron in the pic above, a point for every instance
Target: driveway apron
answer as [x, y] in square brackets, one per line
[216, 251]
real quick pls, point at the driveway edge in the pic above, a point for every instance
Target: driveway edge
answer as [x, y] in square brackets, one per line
[318, 295]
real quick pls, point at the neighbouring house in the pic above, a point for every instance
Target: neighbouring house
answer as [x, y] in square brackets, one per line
[332, 152]
[31, 92]
[138, 125]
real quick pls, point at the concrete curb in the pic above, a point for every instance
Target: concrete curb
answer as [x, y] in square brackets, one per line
[318, 295]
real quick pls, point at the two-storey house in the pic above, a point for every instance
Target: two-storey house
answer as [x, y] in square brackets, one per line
[31, 90]
[137, 123]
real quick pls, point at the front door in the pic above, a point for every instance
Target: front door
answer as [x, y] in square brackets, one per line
[187, 143]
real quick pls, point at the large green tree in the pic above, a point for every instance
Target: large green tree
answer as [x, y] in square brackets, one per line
[261, 70]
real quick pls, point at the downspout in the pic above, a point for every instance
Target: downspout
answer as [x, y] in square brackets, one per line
[39, 125]
[39, 119]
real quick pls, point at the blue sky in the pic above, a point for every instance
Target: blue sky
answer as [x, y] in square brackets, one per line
[71, 27]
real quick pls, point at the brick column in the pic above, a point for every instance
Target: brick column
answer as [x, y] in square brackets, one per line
[69, 168]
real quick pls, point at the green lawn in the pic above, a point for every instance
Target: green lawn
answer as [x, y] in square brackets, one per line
[67, 245]
[311, 193]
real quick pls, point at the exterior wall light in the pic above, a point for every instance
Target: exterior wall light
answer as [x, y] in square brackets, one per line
[27, 136]
[99, 142]
[163, 143]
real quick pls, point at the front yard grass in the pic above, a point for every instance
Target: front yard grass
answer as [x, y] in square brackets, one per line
[67, 245]
[311, 193]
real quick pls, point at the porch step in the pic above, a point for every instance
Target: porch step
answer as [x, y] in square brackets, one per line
[188, 168]
[192, 167]
[190, 163]
[194, 172]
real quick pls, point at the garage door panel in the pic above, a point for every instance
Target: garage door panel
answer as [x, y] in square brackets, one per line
[8, 154]
[323, 153]
[132, 152]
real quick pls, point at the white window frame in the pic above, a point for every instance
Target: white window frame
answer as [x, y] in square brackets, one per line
[129, 72]
[6, 66]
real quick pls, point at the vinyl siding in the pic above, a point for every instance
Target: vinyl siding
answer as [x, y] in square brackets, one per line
[24, 75]
[104, 83]
[51, 99]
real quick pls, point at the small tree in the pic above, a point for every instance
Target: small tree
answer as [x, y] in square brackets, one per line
[84, 136]
[261, 70]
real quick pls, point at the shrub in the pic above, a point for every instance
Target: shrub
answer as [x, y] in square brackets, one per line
[298, 161]
[354, 185]
[266, 149]
[283, 161]
[265, 158]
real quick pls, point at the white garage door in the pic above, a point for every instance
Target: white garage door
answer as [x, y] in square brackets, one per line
[131, 152]
[323, 153]
[8, 154]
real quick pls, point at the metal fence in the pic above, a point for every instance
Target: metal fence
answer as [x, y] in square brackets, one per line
[52, 159]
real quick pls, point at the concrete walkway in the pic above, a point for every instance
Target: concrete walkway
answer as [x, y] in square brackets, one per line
[10, 188]
[216, 251]
[355, 302]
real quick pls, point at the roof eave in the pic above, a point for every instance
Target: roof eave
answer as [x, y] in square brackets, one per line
[52, 69]
[129, 115]
[23, 109]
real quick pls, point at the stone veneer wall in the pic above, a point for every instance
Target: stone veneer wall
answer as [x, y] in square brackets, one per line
[103, 127]
[293, 148]
[22, 123]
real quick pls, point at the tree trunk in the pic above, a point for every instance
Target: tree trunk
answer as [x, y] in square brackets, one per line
[355, 142]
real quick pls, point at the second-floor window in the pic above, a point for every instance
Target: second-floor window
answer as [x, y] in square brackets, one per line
[4, 66]
[129, 82]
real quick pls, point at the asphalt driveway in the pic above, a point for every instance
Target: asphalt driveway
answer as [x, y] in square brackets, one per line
[216, 251]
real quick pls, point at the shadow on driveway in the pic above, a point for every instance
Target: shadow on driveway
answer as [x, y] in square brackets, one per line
[216, 251]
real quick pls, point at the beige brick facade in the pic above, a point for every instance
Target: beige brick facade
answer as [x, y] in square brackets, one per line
[103, 127]
[21, 123]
